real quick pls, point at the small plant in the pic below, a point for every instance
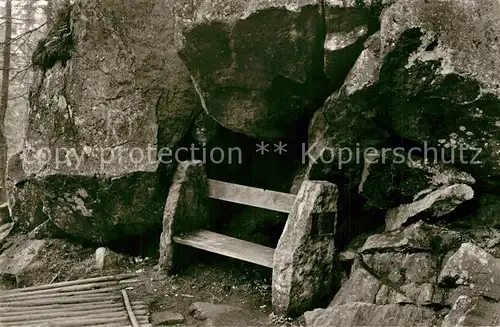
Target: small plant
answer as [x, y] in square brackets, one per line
[280, 320]
[436, 244]
[58, 44]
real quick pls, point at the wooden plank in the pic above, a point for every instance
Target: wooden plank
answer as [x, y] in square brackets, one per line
[70, 307]
[130, 312]
[75, 288]
[61, 300]
[90, 282]
[228, 246]
[36, 295]
[74, 322]
[63, 312]
[251, 196]
[143, 315]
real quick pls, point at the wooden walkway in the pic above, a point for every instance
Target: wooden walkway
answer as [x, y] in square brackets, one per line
[100, 301]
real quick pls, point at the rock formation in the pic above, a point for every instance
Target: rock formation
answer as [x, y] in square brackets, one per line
[106, 96]
[401, 99]
[261, 66]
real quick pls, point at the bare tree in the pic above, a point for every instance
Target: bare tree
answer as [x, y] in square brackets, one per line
[4, 101]
[28, 26]
[23, 25]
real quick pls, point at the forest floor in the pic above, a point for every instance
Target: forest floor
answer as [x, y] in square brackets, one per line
[212, 279]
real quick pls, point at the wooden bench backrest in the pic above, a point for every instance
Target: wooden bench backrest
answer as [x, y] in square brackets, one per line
[251, 196]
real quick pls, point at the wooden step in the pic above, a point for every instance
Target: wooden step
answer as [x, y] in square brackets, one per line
[228, 246]
[251, 196]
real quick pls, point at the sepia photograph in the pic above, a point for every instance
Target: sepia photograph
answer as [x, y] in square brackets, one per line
[253, 163]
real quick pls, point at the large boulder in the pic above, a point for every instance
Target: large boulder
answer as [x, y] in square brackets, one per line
[419, 275]
[339, 134]
[475, 311]
[420, 237]
[434, 205]
[18, 257]
[360, 287]
[406, 262]
[209, 314]
[345, 125]
[471, 266]
[24, 196]
[427, 81]
[99, 210]
[109, 91]
[470, 275]
[397, 178]
[365, 314]
[441, 79]
[260, 66]
[347, 25]
[486, 215]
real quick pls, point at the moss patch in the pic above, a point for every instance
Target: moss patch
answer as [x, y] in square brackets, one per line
[58, 44]
[391, 184]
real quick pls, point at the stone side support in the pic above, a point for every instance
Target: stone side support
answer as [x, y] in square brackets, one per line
[186, 210]
[304, 258]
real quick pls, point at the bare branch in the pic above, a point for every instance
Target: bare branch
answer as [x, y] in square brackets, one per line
[20, 36]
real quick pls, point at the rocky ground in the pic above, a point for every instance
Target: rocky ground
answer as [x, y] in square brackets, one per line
[214, 292]
[423, 274]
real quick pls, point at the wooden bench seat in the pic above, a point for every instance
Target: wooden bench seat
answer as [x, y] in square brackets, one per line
[228, 246]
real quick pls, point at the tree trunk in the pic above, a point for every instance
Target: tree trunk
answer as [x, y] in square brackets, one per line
[5, 97]
[49, 8]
